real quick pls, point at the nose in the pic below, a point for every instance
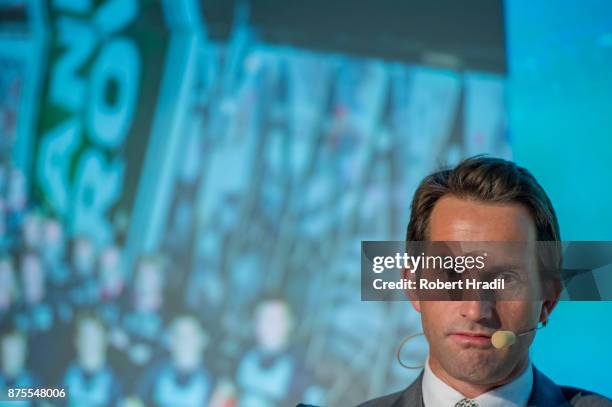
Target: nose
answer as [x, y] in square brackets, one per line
[477, 310]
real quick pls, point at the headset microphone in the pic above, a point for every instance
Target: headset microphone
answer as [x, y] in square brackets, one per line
[504, 339]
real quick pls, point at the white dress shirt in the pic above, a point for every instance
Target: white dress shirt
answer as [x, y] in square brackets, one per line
[436, 393]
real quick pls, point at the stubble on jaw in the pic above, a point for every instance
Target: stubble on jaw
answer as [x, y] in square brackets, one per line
[480, 366]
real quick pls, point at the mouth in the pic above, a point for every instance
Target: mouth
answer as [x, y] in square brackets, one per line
[473, 339]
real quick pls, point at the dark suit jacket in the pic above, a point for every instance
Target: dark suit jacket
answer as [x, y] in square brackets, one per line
[545, 393]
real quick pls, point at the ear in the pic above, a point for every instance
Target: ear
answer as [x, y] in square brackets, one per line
[547, 308]
[412, 295]
[551, 300]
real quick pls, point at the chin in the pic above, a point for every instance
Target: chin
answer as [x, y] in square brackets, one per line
[477, 366]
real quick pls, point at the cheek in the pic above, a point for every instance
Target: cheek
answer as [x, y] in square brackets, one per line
[435, 315]
[518, 314]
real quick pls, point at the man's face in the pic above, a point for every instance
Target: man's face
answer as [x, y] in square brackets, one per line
[13, 351]
[91, 344]
[187, 343]
[32, 230]
[459, 332]
[53, 239]
[7, 283]
[110, 267]
[272, 326]
[84, 256]
[148, 287]
[33, 279]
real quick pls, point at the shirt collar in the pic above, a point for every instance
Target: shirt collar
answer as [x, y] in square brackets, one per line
[436, 393]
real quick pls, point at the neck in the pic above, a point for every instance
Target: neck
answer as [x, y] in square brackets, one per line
[473, 390]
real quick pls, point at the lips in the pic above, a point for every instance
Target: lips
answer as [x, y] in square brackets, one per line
[479, 340]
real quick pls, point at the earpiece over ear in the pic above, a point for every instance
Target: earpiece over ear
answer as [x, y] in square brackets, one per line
[544, 315]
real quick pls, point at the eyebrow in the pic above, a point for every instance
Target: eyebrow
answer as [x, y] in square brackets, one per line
[504, 267]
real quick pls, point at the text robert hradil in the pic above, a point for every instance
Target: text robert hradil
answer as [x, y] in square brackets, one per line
[437, 284]
[405, 261]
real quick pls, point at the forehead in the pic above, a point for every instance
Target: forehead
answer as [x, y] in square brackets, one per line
[185, 325]
[149, 269]
[12, 338]
[31, 261]
[273, 308]
[89, 327]
[459, 219]
[110, 254]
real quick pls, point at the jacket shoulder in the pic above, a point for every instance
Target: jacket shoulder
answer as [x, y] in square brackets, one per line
[384, 401]
[584, 398]
[410, 396]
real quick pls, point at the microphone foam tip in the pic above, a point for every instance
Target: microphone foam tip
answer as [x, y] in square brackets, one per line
[503, 339]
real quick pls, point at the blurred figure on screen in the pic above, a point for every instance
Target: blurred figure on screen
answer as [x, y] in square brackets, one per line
[111, 283]
[5, 239]
[53, 252]
[83, 256]
[89, 381]
[35, 313]
[205, 290]
[183, 380]
[271, 373]
[13, 357]
[140, 329]
[31, 231]
[5, 166]
[16, 201]
[8, 285]
[111, 273]
[84, 284]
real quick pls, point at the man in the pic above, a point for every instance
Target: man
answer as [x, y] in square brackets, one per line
[267, 374]
[36, 315]
[8, 285]
[13, 357]
[111, 277]
[82, 291]
[183, 379]
[89, 380]
[137, 336]
[53, 247]
[483, 200]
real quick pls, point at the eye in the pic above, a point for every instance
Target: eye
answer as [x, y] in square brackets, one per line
[509, 276]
